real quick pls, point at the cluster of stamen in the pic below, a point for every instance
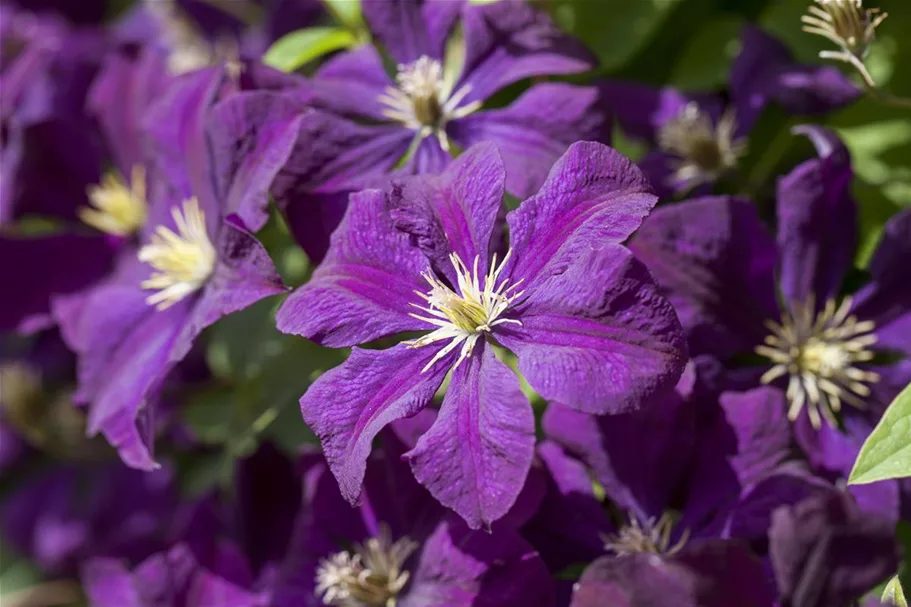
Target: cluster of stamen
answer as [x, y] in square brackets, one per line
[846, 23]
[653, 536]
[372, 576]
[183, 260]
[117, 207]
[819, 354]
[704, 152]
[423, 101]
[465, 315]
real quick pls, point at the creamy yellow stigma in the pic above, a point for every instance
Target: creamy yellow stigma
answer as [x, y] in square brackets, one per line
[703, 152]
[183, 261]
[463, 317]
[819, 354]
[372, 576]
[653, 536]
[117, 207]
[424, 101]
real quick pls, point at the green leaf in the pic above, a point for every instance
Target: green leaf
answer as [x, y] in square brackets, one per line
[346, 12]
[894, 594]
[298, 48]
[887, 451]
[707, 57]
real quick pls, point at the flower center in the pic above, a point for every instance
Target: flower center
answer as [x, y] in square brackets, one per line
[372, 576]
[423, 101]
[819, 353]
[463, 317]
[183, 261]
[845, 22]
[653, 536]
[117, 208]
[704, 152]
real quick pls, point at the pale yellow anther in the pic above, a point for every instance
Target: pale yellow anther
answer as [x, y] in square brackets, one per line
[118, 208]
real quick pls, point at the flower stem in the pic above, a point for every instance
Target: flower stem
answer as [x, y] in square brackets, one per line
[875, 92]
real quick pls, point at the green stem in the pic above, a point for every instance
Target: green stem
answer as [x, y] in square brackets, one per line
[764, 169]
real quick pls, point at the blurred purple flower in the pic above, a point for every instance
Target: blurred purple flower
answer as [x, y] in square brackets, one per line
[567, 298]
[698, 138]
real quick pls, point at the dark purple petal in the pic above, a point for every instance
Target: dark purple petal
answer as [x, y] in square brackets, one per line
[349, 405]
[827, 553]
[399, 26]
[351, 84]
[711, 574]
[176, 129]
[35, 270]
[716, 263]
[119, 98]
[108, 583]
[662, 437]
[536, 130]
[598, 337]
[428, 159]
[476, 456]
[642, 110]
[887, 299]
[366, 286]
[251, 137]
[454, 212]
[593, 197]
[463, 568]
[509, 41]
[817, 221]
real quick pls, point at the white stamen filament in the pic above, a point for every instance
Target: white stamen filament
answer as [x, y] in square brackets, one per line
[819, 354]
[373, 576]
[117, 208]
[422, 102]
[845, 22]
[652, 536]
[464, 316]
[183, 261]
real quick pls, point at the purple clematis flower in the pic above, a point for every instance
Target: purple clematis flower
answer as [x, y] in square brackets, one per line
[196, 263]
[833, 355]
[433, 105]
[400, 548]
[567, 298]
[697, 137]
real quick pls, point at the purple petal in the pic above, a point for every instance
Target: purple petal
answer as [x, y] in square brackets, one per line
[176, 127]
[463, 568]
[662, 437]
[454, 212]
[366, 286]
[399, 26]
[251, 137]
[887, 299]
[349, 405]
[428, 159]
[476, 456]
[351, 84]
[817, 221]
[536, 130]
[716, 262]
[119, 98]
[108, 583]
[37, 269]
[598, 337]
[825, 551]
[642, 110]
[593, 197]
[509, 41]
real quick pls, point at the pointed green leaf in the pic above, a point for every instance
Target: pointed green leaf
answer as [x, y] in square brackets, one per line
[887, 451]
[894, 594]
[346, 12]
[298, 48]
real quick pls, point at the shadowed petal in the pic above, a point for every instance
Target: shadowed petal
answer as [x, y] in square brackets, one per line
[349, 405]
[642, 110]
[476, 456]
[366, 286]
[598, 337]
[817, 221]
[716, 263]
[351, 84]
[509, 41]
[536, 130]
[454, 212]
[463, 568]
[399, 26]
[593, 197]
